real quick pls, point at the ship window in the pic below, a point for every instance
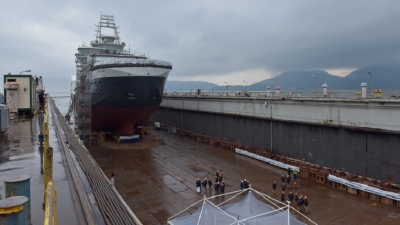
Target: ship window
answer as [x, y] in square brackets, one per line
[11, 80]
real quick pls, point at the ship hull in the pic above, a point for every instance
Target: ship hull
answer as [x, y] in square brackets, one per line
[120, 119]
[124, 99]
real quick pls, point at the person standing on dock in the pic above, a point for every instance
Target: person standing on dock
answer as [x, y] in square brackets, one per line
[294, 174]
[222, 187]
[289, 171]
[290, 197]
[198, 185]
[220, 178]
[245, 184]
[298, 204]
[209, 184]
[283, 179]
[288, 180]
[301, 202]
[283, 187]
[41, 99]
[204, 184]
[283, 196]
[216, 188]
[306, 203]
[274, 187]
[217, 173]
[241, 185]
[112, 180]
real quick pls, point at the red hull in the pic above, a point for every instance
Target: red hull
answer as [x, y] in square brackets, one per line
[121, 120]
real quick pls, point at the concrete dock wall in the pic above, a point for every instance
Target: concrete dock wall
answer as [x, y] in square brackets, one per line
[379, 114]
[370, 153]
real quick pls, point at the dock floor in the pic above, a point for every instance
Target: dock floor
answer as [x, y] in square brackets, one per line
[156, 177]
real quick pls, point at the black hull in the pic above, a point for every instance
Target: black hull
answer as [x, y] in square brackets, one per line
[119, 103]
[133, 91]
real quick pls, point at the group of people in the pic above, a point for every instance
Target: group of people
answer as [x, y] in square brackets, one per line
[219, 184]
[244, 184]
[300, 201]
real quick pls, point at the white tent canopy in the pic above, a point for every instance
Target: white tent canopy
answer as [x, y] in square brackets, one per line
[207, 214]
[248, 207]
[248, 211]
[277, 218]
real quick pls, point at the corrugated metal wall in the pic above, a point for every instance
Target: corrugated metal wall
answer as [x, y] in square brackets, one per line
[367, 153]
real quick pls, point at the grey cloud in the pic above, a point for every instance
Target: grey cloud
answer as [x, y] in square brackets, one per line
[208, 37]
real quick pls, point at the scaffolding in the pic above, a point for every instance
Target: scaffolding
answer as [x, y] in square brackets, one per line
[82, 99]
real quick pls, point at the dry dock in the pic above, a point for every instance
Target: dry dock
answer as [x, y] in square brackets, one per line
[156, 177]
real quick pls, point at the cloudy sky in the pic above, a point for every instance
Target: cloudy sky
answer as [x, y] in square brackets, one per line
[213, 41]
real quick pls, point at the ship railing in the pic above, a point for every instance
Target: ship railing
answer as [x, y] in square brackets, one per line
[133, 64]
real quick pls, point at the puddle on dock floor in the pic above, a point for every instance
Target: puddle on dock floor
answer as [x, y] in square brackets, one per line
[174, 184]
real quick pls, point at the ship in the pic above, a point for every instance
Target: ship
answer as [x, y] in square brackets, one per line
[115, 90]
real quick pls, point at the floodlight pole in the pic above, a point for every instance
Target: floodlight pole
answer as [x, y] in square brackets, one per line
[25, 71]
[372, 85]
[316, 78]
[227, 88]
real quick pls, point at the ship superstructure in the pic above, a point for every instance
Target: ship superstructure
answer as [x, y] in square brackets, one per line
[115, 90]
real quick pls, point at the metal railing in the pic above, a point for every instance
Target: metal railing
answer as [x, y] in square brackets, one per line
[50, 192]
[379, 94]
[50, 211]
[112, 206]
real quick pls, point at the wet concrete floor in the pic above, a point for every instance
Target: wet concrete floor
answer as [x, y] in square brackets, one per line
[156, 177]
[20, 155]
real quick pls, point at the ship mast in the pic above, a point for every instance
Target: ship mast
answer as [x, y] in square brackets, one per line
[107, 41]
[107, 21]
